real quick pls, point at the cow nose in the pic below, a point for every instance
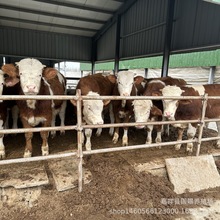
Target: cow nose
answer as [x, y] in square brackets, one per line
[167, 114]
[125, 94]
[31, 88]
[100, 122]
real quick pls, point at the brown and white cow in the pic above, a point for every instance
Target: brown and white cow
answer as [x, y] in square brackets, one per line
[94, 86]
[191, 109]
[151, 110]
[128, 84]
[35, 79]
[4, 106]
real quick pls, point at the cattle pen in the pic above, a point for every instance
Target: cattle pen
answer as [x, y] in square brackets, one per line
[79, 127]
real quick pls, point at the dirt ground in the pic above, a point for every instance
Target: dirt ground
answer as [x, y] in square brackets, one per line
[117, 190]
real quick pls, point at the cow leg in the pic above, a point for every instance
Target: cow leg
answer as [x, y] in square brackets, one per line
[166, 128]
[116, 135]
[44, 147]
[112, 119]
[99, 130]
[6, 125]
[2, 147]
[28, 138]
[191, 132]
[180, 137]
[158, 137]
[88, 134]
[149, 134]
[116, 130]
[218, 127]
[15, 113]
[28, 147]
[53, 122]
[62, 114]
[125, 137]
[44, 135]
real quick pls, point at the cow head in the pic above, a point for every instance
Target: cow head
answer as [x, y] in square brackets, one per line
[143, 109]
[170, 106]
[92, 109]
[30, 72]
[8, 77]
[125, 82]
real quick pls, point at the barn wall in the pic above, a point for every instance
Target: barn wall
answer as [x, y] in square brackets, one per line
[143, 28]
[27, 43]
[196, 24]
[106, 44]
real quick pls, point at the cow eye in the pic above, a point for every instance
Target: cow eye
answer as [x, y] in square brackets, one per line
[5, 75]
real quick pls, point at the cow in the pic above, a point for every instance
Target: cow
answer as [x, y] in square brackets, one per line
[5, 105]
[36, 79]
[94, 86]
[151, 110]
[191, 109]
[128, 84]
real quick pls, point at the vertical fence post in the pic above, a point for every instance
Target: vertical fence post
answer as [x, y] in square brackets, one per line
[79, 139]
[205, 99]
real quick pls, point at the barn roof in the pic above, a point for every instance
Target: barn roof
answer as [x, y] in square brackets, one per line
[103, 30]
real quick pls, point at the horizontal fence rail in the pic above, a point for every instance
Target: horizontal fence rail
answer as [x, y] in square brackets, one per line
[80, 126]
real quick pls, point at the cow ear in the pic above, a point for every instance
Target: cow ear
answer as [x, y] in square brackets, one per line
[138, 79]
[112, 78]
[155, 111]
[185, 102]
[106, 102]
[49, 73]
[73, 101]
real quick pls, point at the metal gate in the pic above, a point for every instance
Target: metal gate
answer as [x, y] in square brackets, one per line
[79, 127]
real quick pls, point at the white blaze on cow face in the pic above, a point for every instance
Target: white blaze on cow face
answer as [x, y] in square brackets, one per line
[170, 106]
[1, 83]
[30, 72]
[142, 111]
[92, 110]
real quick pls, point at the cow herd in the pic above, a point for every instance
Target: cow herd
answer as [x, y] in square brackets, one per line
[30, 77]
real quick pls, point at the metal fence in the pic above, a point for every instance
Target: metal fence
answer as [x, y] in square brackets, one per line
[79, 127]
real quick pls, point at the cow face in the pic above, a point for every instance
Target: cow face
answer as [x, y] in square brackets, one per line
[92, 110]
[30, 72]
[142, 110]
[125, 80]
[170, 106]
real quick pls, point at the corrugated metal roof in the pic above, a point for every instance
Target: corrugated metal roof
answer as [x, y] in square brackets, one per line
[75, 17]
[50, 29]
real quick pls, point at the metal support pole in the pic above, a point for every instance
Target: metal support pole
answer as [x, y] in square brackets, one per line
[94, 55]
[117, 45]
[79, 138]
[211, 74]
[168, 37]
[205, 99]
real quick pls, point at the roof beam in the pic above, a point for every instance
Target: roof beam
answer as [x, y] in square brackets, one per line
[33, 11]
[77, 6]
[47, 24]
[112, 20]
